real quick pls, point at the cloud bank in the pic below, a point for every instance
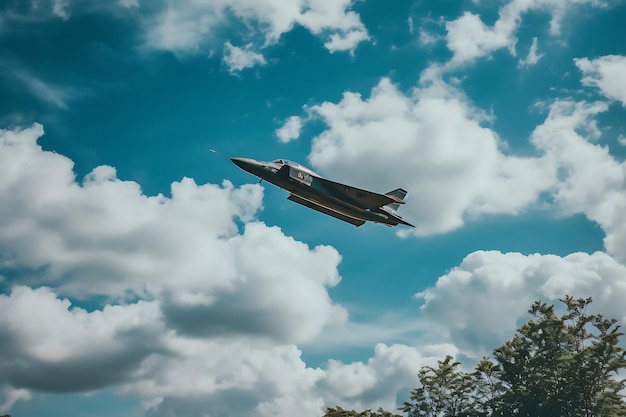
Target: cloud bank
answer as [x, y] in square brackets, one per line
[438, 146]
[607, 73]
[189, 303]
[469, 38]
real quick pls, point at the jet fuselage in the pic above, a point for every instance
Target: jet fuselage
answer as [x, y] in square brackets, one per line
[338, 200]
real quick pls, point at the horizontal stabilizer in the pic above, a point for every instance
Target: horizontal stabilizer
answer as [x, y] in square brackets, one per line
[324, 210]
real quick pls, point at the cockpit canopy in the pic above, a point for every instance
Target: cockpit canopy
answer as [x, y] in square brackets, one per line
[295, 165]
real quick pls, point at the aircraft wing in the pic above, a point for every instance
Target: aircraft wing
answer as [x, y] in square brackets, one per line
[325, 210]
[356, 196]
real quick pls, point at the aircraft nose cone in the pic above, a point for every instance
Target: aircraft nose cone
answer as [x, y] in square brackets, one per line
[246, 164]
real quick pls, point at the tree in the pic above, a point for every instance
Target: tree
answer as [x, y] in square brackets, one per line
[340, 412]
[445, 391]
[487, 388]
[563, 366]
[554, 365]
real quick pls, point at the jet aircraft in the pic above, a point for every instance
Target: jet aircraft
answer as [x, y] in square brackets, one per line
[344, 202]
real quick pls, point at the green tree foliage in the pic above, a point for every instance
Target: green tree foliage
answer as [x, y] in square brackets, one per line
[444, 391]
[340, 412]
[563, 366]
[554, 365]
[488, 388]
[447, 391]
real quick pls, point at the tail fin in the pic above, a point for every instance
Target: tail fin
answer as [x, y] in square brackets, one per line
[398, 195]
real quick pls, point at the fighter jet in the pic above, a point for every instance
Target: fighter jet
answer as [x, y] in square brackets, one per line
[344, 202]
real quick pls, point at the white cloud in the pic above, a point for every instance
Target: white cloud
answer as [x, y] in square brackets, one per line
[377, 383]
[107, 233]
[195, 26]
[239, 59]
[129, 345]
[43, 339]
[380, 381]
[184, 25]
[346, 42]
[181, 29]
[332, 17]
[592, 181]
[469, 38]
[483, 300]
[12, 396]
[59, 8]
[427, 38]
[430, 142]
[223, 311]
[186, 248]
[533, 57]
[290, 130]
[608, 73]
[209, 373]
[228, 377]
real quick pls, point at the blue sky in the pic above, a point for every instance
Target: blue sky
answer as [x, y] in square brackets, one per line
[142, 275]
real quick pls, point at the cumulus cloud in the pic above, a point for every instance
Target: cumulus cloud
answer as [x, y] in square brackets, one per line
[427, 38]
[193, 26]
[210, 289]
[483, 300]
[469, 38]
[11, 396]
[184, 25]
[389, 374]
[54, 347]
[432, 143]
[70, 350]
[280, 374]
[290, 130]
[533, 57]
[608, 73]
[105, 232]
[591, 180]
[59, 8]
[199, 318]
[222, 375]
[228, 377]
[238, 59]
[180, 29]
[346, 42]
